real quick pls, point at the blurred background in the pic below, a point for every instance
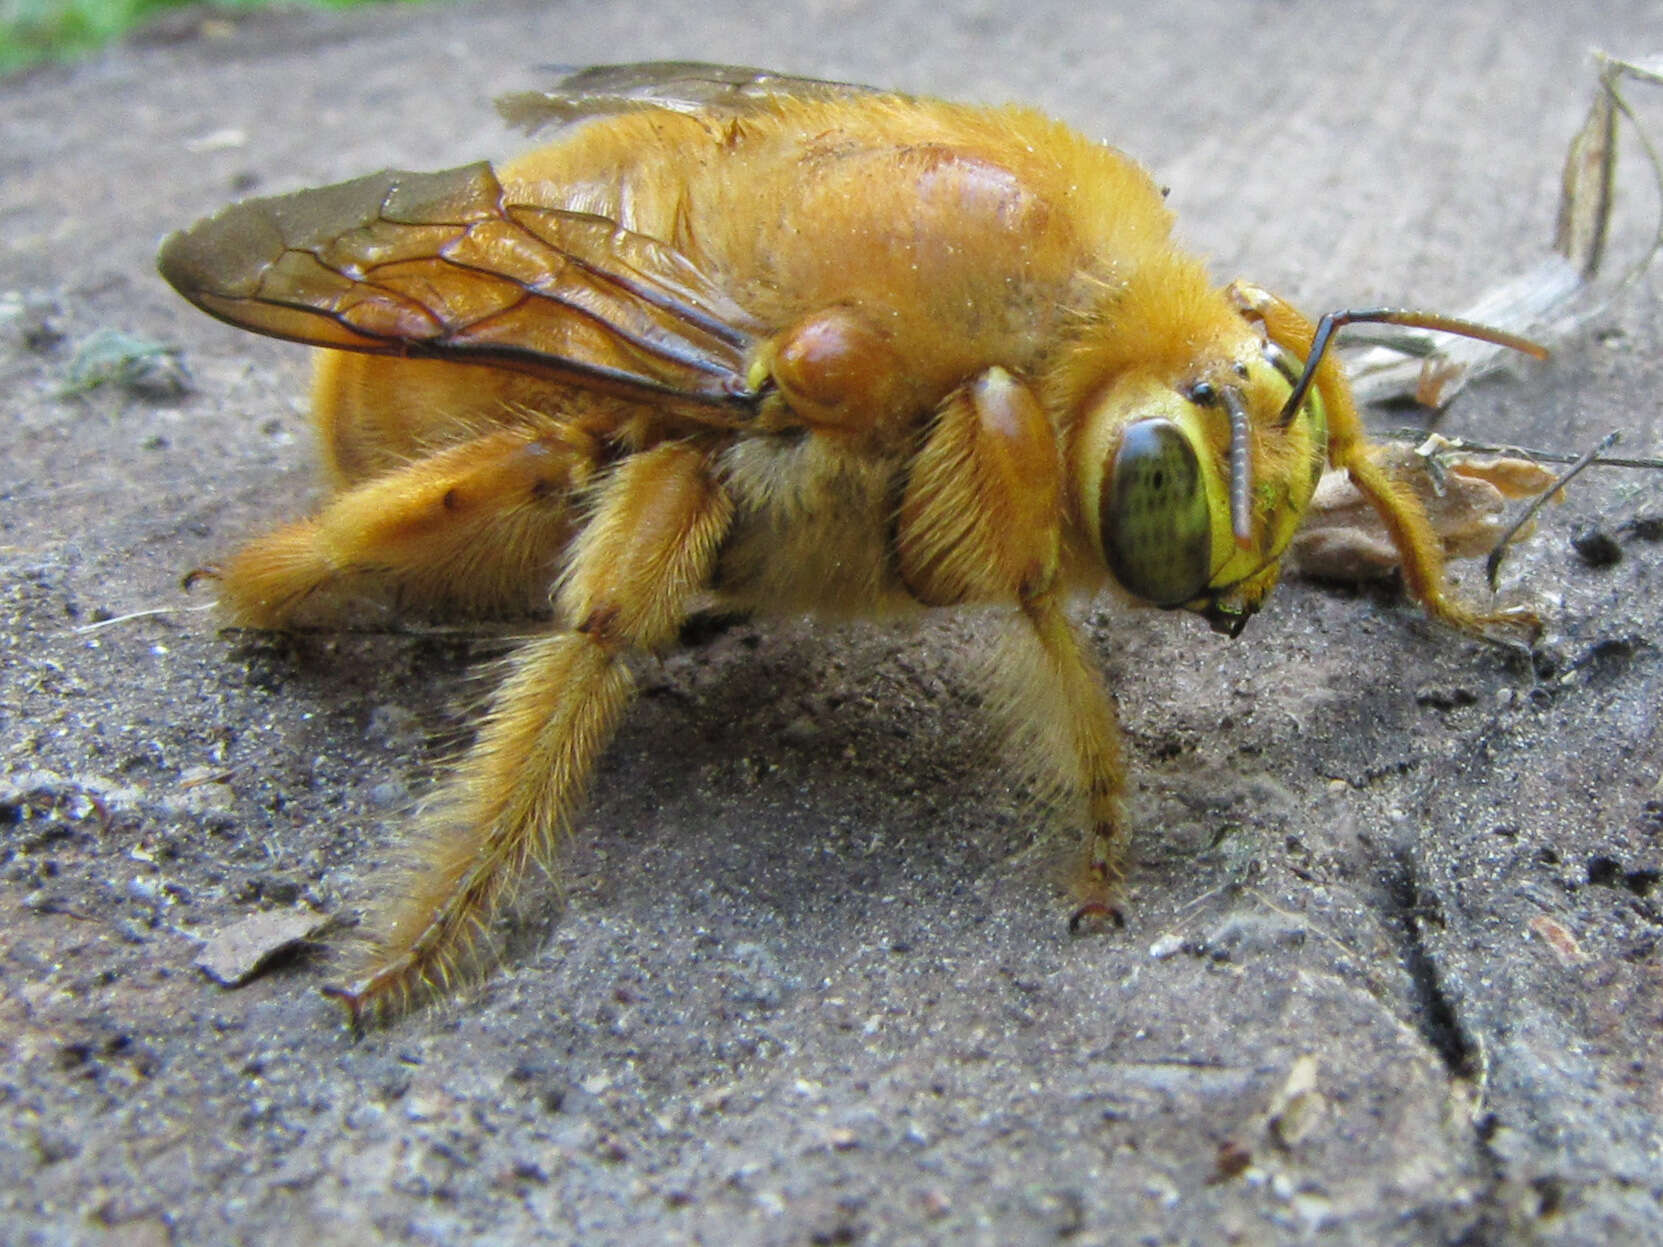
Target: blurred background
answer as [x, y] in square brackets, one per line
[32, 31]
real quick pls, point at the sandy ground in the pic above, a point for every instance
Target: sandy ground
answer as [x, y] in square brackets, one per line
[1391, 968]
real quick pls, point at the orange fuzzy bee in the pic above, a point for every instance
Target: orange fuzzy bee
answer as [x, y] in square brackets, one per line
[770, 344]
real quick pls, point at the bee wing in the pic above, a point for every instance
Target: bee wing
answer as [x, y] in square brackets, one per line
[445, 266]
[681, 86]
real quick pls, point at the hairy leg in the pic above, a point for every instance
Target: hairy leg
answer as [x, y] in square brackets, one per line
[980, 520]
[648, 549]
[477, 528]
[1420, 551]
[1063, 730]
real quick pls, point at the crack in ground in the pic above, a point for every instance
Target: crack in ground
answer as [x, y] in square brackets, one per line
[1435, 1012]
[1439, 1022]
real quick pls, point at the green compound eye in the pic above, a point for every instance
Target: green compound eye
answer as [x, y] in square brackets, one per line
[1154, 515]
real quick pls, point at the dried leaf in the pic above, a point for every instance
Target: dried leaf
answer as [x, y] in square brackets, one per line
[1554, 298]
[1586, 187]
[1465, 495]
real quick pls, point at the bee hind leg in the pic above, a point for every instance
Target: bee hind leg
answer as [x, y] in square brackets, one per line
[648, 548]
[474, 529]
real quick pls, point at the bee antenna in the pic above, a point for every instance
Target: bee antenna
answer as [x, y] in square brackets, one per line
[1241, 453]
[1332, 322]
[1241, 466]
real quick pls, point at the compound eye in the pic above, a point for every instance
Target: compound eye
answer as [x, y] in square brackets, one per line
[1154, 516]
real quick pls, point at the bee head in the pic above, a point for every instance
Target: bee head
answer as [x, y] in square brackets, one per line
[1191, 486]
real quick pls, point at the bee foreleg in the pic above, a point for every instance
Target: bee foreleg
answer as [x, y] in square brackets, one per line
[1419, 548]
[980, 520]
[649, 546]
[980, 515]
[477, 528]
[1062, 725]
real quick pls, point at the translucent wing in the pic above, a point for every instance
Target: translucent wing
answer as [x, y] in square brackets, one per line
[445, 266]
[681, 86]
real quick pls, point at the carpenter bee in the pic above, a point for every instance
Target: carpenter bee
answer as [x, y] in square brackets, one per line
[770, 344]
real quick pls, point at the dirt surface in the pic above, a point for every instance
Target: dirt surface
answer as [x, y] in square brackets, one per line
[1391, 969]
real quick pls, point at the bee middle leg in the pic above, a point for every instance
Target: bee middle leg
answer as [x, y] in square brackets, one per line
[646, 551]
